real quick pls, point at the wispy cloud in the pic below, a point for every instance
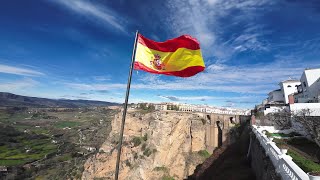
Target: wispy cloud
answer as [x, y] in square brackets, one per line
[187, 98]
[96, 86]
[75, 97]
[103, 14]
[102, 78]
[17, 85]
[204, 20]
[19, 71]
[253, 79]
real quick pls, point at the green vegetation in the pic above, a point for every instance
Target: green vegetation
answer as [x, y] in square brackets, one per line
[145, 137]
[136, 141]
[204, 153]
[27, 136]
[173, 107]
[292, 134]
[147, 152]
[300, 141]
[161, 168]
[279, 142]
[128, 163]
[154, 150]
[280, 135]
[305, 164]
[12, 162]
[259, 115]
[143, 147]
[237, 125]
[135, 155]
[268, 134]
[63, 124]
[25, 150]
[167, 177]
[66, 157]
[147, 108]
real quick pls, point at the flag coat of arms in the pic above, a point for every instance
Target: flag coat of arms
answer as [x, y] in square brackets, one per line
[180, 56]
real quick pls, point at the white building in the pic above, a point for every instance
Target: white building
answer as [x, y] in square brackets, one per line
[276, 96]
[309, 90]
[192, 108]
[288, 87]
[160, 107]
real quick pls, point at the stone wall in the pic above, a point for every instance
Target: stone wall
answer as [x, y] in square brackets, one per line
[260, 162]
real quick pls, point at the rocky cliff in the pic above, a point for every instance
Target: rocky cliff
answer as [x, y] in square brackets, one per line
[156, 145]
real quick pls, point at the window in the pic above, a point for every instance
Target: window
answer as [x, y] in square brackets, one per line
[289, 86]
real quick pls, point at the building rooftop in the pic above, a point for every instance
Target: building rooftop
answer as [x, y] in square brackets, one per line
[290, 81]
[311, 69]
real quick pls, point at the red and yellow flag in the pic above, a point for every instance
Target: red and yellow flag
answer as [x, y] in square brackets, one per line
[180, 56]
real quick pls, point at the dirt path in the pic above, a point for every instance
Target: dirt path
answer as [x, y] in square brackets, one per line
[227, 162]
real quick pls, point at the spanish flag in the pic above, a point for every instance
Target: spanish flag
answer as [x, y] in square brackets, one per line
[180, 56]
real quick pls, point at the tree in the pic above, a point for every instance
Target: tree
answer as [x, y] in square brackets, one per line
[281, 119]
[310, 123]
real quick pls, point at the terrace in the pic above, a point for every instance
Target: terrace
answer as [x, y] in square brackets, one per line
[293, 156]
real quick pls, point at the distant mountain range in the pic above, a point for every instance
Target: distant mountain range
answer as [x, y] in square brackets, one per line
[13, 100]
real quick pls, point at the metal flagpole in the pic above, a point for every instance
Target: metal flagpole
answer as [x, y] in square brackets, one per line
[125, 106]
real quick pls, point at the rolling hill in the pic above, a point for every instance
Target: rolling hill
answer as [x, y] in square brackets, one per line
[13, 100]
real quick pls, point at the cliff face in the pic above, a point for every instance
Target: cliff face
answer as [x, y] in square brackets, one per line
[155, 145]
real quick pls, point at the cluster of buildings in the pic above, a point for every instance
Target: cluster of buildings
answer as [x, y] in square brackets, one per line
[195, 108]
[295, 95]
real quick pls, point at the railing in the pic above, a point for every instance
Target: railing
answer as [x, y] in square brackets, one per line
[283, 163]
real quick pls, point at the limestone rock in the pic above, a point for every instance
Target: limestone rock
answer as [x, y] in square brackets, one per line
[165, 141]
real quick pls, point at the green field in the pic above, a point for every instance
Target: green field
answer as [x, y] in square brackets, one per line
[25, 150]
[63, 124]
[26, 136]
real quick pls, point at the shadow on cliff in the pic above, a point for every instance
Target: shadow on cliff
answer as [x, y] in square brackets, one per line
[228, 162]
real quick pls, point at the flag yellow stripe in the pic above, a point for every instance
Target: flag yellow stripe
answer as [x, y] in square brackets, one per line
[181, 59]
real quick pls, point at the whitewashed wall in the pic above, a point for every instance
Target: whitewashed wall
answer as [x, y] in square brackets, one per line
[314, 108]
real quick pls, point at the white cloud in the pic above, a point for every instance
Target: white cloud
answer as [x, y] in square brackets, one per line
[19, 71]
[187, 98]
[94, 11]
[18, 85]
[96, 87]
[202, 19]
[102, 78]
[252, 79]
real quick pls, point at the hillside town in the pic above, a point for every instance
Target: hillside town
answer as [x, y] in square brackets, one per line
[295, 95]
[165, 106]
[286, 125]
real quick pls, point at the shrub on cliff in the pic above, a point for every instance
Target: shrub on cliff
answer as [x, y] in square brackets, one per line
[143, 147]
[145, 137]
[147, 152]
[204, 153]
[136, 141]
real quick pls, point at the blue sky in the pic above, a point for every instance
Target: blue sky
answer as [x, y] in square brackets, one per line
[82, 49]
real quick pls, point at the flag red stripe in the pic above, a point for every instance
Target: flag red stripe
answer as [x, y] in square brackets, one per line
[171, 45]
[189, 71]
